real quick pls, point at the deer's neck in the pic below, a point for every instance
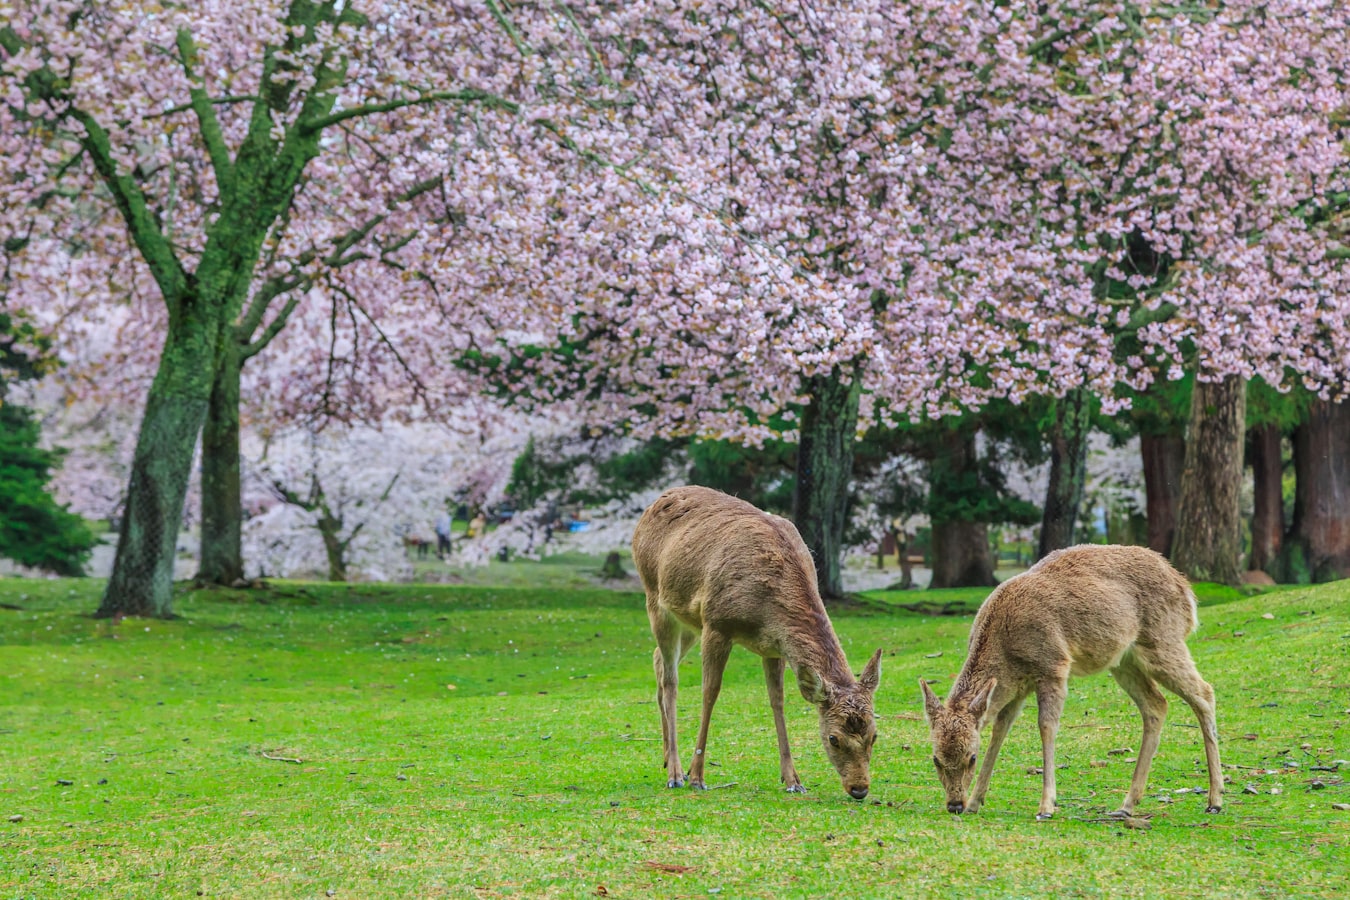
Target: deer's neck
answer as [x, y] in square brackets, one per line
[813, 643]
[980, 666]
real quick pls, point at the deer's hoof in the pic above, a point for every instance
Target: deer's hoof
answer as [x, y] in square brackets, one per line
[697, 784]
[1213, 809]
[676, 782]
[796, 789]
[1119, 814]
[1044, 817]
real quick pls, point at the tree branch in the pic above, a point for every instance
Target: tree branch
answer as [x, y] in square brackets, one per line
[353, 303]
[309, 127]
[334, 259]
[522, 48]
[212, 136]
[253, 348]
[164, 265]
[214, 101]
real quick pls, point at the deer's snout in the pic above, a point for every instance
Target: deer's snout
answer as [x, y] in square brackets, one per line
[956, 806]
[858, 791]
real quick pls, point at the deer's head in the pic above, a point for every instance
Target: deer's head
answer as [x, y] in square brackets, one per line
[848, 727]
[955, 730]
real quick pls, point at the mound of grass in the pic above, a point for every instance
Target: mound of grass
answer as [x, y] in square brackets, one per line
[473, 741]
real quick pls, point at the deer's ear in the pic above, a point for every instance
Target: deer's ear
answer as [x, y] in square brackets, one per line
[979, 704]
[871, 676]
[931, 704]
[814, 688]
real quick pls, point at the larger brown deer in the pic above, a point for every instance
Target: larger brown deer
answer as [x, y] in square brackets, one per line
[719, 570]
[1076, 612]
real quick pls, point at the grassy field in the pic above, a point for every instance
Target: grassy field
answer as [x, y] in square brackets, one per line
[469, 741]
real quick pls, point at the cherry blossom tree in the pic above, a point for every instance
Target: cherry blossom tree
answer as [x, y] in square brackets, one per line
[982, 200]
[215, 156]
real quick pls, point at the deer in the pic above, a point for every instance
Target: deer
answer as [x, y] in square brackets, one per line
[1078, 611]
[719, 571]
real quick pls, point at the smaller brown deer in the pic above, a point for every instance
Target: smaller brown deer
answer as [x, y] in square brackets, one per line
[719, 570]
[1076, 612]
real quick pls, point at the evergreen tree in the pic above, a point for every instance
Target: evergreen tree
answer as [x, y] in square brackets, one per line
[34, 529]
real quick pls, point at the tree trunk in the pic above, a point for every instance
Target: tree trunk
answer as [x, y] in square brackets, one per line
[1209, 528]
[1318, 545]
[961, 556]
[1164, 458]
[960, 551]
[1268, 514]
[1068, 471]
[824, 468]
[222, 559]
[906, 570]
[336, 548]
[141, 583]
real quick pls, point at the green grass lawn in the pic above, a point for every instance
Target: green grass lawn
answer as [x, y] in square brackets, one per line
[318, 740]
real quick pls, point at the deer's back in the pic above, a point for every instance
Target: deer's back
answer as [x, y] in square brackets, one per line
[1089, 603]
[707, 557]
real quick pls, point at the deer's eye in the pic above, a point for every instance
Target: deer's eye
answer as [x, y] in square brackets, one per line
[972, 759]
[834, 741]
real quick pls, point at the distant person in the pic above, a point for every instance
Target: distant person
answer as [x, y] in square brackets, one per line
[443, 522]
[477, 525]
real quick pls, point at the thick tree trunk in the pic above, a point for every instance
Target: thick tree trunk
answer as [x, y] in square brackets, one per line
[141, 583]
[1164, 458]
[824, 468]
[1318, 545]
[1268, 512]
[222, 559]
[1209, 528]
[1068, 471]
[961, 556]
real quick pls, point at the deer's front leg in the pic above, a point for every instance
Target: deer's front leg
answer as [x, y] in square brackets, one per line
[1002, 723]
[1050, 698]
[716, 649]
[773, 677]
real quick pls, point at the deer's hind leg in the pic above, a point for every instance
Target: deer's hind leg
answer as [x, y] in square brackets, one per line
[1153, 710]
[673, 641]
[716, 649]
[1172, 667]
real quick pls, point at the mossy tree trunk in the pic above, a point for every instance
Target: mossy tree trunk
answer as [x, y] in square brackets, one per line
[1268, 510]
[1068, 471]
[257, 187]
[141, 583]
[1317, 547]
[1208, 543]
[222, 510]
[824, 469]
[1164, 457]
